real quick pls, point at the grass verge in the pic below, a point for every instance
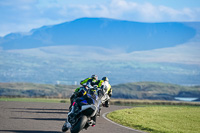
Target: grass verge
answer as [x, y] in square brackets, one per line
[124, 102]
[47, 100]
[160, 119]
[131, 102]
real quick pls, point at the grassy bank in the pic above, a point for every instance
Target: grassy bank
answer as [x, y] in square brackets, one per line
[160, 119]
[121, 102]
[131, 102]
[47, 100]
[136, 90]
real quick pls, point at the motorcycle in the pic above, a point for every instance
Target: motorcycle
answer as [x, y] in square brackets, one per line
[82, 114]
[105, 98]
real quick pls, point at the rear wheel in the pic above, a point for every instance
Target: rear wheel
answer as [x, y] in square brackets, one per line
[79, 125]
[107, 103]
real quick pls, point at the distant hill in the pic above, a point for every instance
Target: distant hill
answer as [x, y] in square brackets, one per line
[103, 32]
[137, 90]
[154, 91]
[124, 51]
[35, 90]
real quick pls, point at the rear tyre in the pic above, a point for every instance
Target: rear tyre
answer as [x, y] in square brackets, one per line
[107, 103]
[79, 125]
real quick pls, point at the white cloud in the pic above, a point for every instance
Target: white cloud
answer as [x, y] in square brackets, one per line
[172, 12]
[150, 13]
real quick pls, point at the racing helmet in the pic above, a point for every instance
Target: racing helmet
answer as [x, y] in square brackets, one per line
[94, 77]
[105, 79]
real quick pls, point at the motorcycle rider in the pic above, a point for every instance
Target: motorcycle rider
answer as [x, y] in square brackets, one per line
[105, 90]
[77, 93]
[106, 87]
[90, 82]
[86, 84]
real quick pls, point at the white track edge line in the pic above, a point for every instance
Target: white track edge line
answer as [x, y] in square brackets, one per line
[104, 116]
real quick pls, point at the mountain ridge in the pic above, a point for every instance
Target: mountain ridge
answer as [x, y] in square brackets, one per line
[39, 62]
[104, 32]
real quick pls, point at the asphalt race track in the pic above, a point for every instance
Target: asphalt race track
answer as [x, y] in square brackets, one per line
[33, 117]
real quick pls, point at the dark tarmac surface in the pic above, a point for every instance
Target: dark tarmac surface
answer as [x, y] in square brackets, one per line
[33, 117]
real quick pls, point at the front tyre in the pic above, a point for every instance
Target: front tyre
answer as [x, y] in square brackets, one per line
[79, 125]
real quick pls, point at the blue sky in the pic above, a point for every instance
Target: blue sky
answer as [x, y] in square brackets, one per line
[24, 15]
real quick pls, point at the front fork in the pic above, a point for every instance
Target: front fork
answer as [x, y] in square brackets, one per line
[67, 123]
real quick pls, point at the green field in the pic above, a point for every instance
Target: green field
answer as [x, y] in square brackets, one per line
[47, 100]
[119, 102]
[134, 102]
[160, 119]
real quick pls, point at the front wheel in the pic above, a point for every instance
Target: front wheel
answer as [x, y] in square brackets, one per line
[79, 125]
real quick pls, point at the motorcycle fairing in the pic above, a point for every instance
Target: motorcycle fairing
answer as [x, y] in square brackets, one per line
[91, 109]
[84, 102]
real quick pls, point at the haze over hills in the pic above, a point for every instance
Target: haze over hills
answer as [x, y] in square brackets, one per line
[103, 32]
[124, 51]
